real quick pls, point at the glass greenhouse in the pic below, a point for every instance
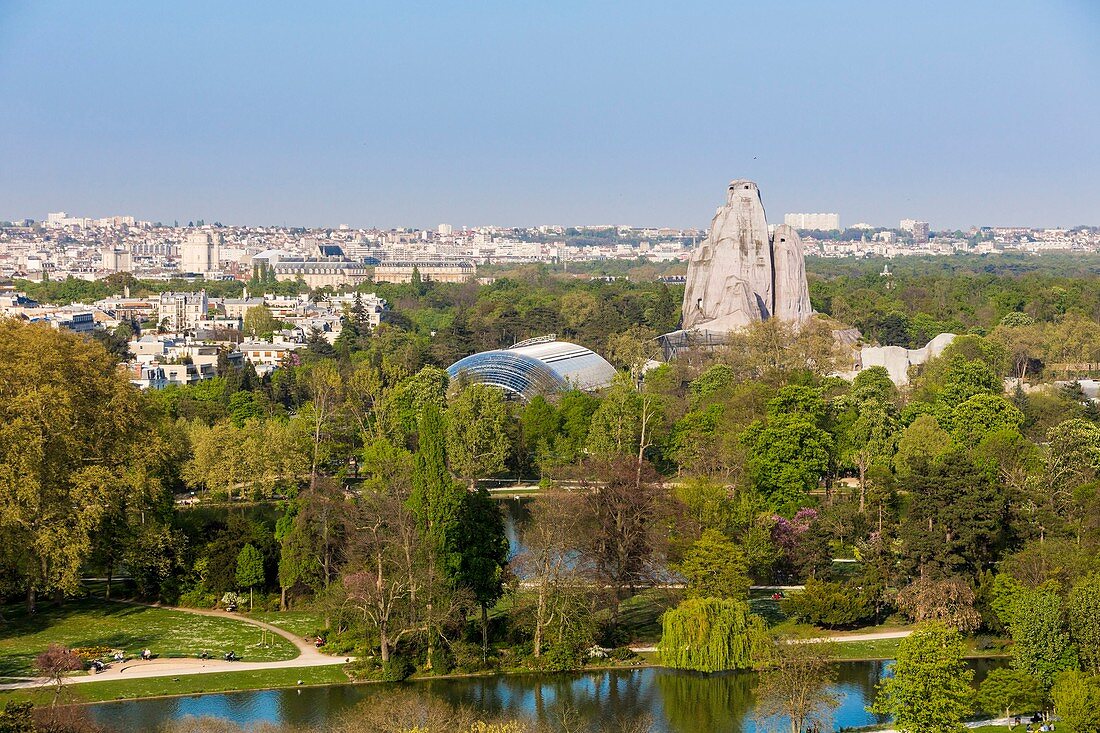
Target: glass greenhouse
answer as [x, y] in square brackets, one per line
[536, 367]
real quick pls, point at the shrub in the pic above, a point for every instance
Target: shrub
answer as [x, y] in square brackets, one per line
[397, 669]
[830, 605]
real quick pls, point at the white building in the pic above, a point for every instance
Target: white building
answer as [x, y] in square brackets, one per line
[201, 252]
[182, 311]
[820, 222]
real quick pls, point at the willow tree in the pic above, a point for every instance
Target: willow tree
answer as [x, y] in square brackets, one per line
[712, 635]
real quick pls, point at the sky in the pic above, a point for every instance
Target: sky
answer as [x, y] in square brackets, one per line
[519, 113]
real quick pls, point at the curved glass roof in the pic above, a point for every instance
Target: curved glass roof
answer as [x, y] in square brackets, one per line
[540, 368]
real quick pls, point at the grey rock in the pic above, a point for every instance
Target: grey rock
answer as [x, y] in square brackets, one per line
[739, 275]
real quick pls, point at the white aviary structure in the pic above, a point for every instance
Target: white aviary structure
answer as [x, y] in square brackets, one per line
[740, 275]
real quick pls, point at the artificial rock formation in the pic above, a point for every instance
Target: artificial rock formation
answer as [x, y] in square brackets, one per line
[739, 275]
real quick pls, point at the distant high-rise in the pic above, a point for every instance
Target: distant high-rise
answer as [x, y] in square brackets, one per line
[919, 229]
[201, 252]
[445, 230]
[820, 222]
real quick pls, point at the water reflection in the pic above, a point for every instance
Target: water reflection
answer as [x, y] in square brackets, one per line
[679, 702]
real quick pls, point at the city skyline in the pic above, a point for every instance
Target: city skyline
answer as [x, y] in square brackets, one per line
[416, 115]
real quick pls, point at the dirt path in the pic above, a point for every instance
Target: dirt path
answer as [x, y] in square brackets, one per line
[839, 637]
[308, 656]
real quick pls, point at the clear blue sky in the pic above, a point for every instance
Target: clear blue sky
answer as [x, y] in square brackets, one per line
[519, 113]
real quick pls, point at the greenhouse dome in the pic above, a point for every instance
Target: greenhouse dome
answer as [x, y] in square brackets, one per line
[541, 366]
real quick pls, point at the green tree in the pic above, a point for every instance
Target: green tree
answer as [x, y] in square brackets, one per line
[929, 691]
[1084, 620]
[1006, 690]
[436, 501]
[922, 443]
[484, 548]
[259, 322]
[787, 459]
[712, 635]
[715, 567]
[71, 444]
[981, 415]
[956, 518]
[1076, 698]
[1040, 644]
[477, 433]
[250, 570]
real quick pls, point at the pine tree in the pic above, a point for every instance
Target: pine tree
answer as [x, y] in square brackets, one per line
[250, 569]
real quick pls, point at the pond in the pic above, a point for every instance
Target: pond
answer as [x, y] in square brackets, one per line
[678, 702]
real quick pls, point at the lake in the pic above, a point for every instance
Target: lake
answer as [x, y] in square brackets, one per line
[679, 702]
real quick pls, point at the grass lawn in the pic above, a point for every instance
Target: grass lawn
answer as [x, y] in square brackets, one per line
[184, 685]
[299, 623]
[84, 623]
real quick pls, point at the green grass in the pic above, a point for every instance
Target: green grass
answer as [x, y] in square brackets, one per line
[184, 685]
[86, 622]
[299, 623]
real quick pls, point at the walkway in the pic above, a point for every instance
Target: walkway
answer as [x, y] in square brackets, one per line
[836, 637]
[308, 656]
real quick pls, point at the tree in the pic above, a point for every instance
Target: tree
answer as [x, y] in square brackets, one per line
[1010, 691]
[831, 605]
[1084, 620]
[484, 549]
[715, 567]
[712, 635]
[1040, 645]
[383, 581]
[325, 388]
[436, 501]
[955, 520]
[71, 429]
[920, 444]
[546, 561]
[1076, 698]
[795, 685]
[477, 433]
[981, 415]
[623, 534]
[929, 691]
[947, 600]
[250, 570]
[55, 663]
[259, 323]
[787, 459]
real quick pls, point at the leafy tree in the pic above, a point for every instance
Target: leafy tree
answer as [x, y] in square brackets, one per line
[484, 549]
[795, 685]
[712, 635]
[1076, 697]
[1083, 610]
[1040, 645]
[477, 433]
[71, 444]
[929, 691]
[715, 567]
[956, 517]
[981, 415]
[920, 444]
[437, 502]
[787, 459]
[614, 429]
[831, 605]
[1007, 690]
[259, 322]
[250, 570]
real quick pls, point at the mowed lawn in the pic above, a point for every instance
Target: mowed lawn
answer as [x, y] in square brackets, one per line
[299, 623]
[87, 623]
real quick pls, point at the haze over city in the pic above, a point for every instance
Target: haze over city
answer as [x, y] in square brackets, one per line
[413, 114]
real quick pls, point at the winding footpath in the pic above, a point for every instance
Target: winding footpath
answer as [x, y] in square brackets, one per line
[839, 637]
[308, 656]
